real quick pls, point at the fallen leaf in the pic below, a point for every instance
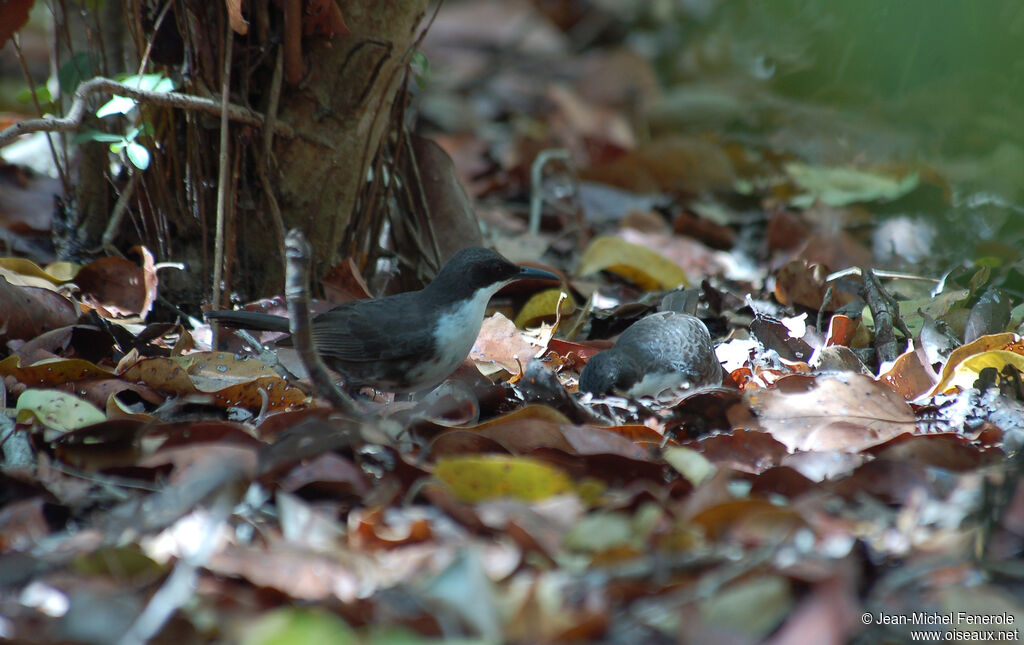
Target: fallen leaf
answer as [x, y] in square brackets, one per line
[56, 409]
[643, 267]
[843, 186]
[543, 306]
[1007, 341]
[850, 412]
[478, 478]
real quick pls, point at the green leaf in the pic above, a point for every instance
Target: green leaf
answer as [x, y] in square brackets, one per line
[72, 73]
[96, 135]
[116, 105]
[42, 94]
[844, 186]
[420, 68]
[148, 82]
[138, 155]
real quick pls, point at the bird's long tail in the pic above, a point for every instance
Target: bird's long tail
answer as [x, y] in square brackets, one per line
[249, 320]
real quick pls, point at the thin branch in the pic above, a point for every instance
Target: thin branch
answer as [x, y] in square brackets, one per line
[297, 259]
[165, 99]
[120, 208]
[16, 41]
[222, 175]
[264, 165]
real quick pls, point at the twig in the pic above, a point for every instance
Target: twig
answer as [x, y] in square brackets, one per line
[267, 356]
[264, 166]
[16, 41]
[177, 100]
[886, 312]
[156, 29]
[222, 174]
[297, 260]
[889, 275]
[824, 307]
[117, 214]
[536, 180]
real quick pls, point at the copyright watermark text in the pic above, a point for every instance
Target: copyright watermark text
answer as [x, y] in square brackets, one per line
[967, 626]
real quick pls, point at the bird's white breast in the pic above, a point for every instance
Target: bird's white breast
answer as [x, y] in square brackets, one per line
[457, 329]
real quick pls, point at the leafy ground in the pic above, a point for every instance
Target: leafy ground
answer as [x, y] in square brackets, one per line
[843, 485]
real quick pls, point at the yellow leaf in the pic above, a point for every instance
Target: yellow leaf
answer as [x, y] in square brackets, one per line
[689, 463]
[966, 373]
[543, 305]
[476, 478]
[28, 268]
[642, 266]
[960, 354]
[56, 409]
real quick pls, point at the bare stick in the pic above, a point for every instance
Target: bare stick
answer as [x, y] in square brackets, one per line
[116, 215]
[297, 260]
[222, 174]
[165, 99]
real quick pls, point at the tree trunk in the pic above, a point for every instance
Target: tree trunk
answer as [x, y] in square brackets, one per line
[340, 111]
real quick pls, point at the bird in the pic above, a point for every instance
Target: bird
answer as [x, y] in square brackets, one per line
[664, 350]
[410, 341]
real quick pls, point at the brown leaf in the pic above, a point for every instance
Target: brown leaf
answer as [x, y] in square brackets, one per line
[344, 283]
[501, 344]
[30, 311]
[908, 376]
[799, 282]
[748, 451]
[118, 285]
[451, 212]
[851, 412]
[238, 22]
[13, 17]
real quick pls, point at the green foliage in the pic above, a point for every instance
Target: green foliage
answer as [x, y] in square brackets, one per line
[71, 74]
[420, 68]
[136, 153]
[42, 95]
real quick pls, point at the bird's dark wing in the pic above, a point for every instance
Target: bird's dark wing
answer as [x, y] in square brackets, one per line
[353, 332]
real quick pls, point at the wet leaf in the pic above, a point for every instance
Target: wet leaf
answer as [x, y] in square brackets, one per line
[52, 372]
[30, 311]
[56, 409]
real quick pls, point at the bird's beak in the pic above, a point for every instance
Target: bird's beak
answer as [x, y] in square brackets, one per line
[530, 273]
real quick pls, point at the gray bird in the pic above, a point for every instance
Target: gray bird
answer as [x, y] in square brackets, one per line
[660, 351]
[408, 341]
